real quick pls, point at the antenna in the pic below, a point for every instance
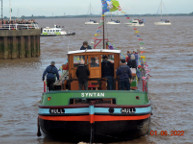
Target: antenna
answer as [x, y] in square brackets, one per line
[2, 9]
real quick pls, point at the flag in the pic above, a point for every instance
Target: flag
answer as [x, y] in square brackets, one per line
[110, 5]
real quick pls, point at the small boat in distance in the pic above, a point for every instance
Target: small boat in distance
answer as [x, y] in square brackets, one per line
[113, 22]
[91, 22]
[55, 31]
[136, 22]
[163, 21]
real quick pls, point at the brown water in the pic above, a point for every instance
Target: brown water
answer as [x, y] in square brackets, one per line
[170, 57]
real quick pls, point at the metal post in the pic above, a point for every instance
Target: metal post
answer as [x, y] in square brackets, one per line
[103, 17]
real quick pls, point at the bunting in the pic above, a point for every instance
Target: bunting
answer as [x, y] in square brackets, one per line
[113, 5]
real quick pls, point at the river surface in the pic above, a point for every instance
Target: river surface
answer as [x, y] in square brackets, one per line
[169, 55]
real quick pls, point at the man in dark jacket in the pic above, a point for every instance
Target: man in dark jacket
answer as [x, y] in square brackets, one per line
[51, 73]
[108, 72]
[85, 46]
[132, 62]
[82, 74]
[125, 76]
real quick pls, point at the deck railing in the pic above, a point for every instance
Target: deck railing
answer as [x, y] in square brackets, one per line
[18, 26]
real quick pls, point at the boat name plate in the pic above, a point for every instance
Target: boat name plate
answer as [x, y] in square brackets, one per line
[88, 95]
[57, 111]
[128, 110]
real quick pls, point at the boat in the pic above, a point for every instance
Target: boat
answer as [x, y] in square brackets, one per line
[113, 22]
[55, 31]
[96, 114]
[162, 21]
[91, 21]
[136, 22]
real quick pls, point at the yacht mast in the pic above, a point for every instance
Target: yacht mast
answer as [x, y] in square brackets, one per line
[2, 9]
[90, 9]
[161, 6]
[10, 9]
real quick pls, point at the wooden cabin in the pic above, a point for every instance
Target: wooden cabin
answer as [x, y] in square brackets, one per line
[95, 82]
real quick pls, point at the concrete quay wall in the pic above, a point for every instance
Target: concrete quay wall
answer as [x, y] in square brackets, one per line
[19, 43]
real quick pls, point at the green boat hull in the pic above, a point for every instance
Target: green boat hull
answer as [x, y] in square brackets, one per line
[104, 114]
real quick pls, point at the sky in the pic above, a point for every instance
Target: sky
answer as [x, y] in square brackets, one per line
[78, 7]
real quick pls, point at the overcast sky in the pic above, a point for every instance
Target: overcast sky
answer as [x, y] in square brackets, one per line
[77, 7]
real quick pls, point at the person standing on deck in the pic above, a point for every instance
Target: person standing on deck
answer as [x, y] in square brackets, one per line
[136, 57]
[85, 46]
[128, 57]
[125, 76]
[51, 72]
[82, 74]
[108, 72]
[132, 62]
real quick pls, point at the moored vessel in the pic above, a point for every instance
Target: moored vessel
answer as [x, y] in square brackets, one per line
[55, 31]
[113, 22]
[163, 21]
[91, 22]
[136, 22]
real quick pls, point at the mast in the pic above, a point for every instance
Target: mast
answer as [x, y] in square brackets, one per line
[2, 9]
[161, 8]
[103, 20]
[10, 8]
[90, 9]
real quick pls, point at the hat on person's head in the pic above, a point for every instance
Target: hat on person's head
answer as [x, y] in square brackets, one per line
[122, 60]
[52, 63]
[85, 43]
[104, 57]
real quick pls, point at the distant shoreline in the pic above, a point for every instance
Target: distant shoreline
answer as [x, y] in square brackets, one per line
[96, 16]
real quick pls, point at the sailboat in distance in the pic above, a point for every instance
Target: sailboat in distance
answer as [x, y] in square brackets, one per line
[91, 21]
[113, 21]
[162, 21]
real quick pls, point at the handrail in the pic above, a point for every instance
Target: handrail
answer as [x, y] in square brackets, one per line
[18, 26]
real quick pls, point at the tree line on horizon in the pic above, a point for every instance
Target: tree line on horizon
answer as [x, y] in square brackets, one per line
[95, 15]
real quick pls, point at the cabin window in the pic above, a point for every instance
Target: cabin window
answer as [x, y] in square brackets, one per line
[57, 30]
[53, 30]
[78, 60]
[50, 30]
[44, 30]
[110, 58]
[94, 62]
